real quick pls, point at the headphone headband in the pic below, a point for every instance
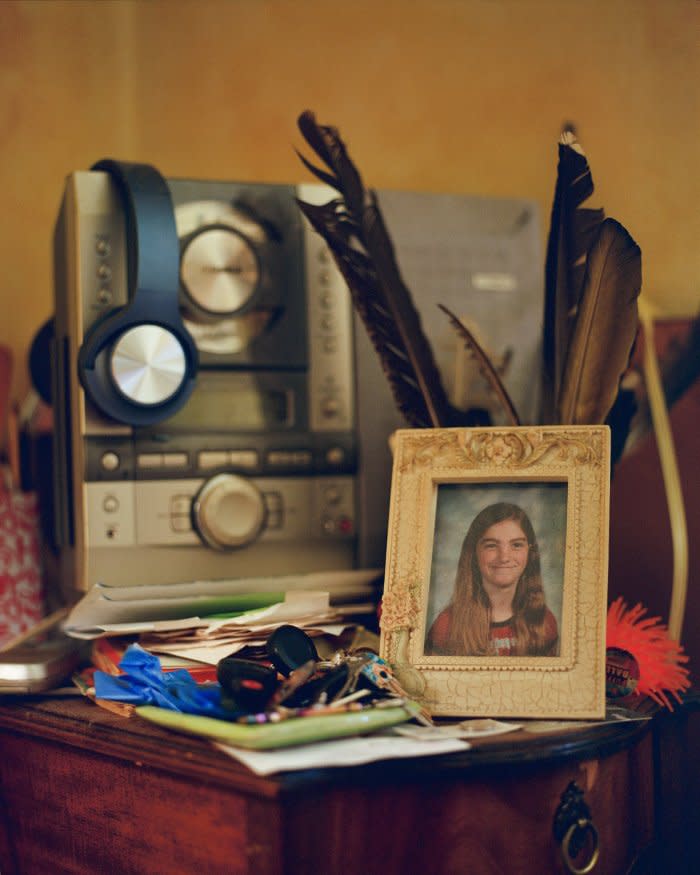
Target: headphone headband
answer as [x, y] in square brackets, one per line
[151, 234]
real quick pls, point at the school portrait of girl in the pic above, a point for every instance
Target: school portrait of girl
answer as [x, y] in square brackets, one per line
[497, 571]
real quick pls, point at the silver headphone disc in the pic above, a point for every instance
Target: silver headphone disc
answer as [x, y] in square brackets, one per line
[148, 364]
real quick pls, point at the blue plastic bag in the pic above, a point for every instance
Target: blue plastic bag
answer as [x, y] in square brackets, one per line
[143, 682]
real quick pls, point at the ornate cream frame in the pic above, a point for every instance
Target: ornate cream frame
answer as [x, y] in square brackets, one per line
[570, 685]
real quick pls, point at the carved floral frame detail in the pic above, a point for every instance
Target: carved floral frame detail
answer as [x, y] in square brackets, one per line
[570, 685]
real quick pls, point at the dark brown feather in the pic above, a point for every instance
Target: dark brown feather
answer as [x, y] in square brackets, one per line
[572, 230]
[486, 369]
[604, 330]
[353, 227]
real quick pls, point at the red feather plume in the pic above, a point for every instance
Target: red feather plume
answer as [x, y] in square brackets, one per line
[660, 658]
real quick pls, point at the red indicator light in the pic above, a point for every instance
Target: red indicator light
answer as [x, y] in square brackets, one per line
[345, 525]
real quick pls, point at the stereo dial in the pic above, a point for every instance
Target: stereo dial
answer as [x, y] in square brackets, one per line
[228, 512]
[219, 270]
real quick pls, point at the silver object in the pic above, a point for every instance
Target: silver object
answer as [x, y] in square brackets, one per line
[148, 364]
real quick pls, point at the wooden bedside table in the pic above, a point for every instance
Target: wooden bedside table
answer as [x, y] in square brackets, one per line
[86, 791]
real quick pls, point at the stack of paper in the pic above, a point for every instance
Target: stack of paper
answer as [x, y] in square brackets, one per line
[118, 610]
[211, 641]
[205, 621]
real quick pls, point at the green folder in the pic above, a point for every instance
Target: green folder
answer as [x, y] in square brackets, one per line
[286, 733]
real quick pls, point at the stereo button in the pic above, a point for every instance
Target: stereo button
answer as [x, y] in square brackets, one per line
[109, 461]
[180, 505]
[243, 458]
[110, 504]
[149, 460]
[332, 494]
[175, 460]
[290, 458]
[330, 408]
[280, 457]
[208, 459]
[273, 501]
[180, 523]
[275, 520]
[335, 456]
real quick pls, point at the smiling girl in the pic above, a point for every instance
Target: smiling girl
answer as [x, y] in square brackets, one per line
[498, 605]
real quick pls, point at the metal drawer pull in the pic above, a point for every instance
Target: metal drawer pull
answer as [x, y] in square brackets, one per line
[573, 829]
[587, 826]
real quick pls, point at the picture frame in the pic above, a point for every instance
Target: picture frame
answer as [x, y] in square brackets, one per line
[495, 593]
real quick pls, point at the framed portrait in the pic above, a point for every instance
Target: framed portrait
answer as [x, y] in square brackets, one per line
[495, 594]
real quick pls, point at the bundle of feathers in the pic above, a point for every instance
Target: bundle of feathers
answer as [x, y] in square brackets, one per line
[592, 282]
[661, 661]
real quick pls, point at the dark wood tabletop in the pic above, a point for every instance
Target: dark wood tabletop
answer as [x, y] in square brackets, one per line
[76, 721]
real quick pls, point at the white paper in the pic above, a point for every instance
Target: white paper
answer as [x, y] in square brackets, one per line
[477, 728]
[105, 606]
[340, 752]
[109, 605]
[299, 607]
[211, 652]
[350, 580]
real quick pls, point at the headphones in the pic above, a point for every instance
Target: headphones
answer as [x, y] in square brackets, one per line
[138, 364]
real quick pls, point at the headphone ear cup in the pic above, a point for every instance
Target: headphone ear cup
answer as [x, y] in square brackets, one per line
[138, 373]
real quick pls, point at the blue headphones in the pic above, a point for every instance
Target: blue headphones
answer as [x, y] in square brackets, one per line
[138, 364]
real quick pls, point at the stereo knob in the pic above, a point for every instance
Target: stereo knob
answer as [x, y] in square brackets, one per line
[219, 270]
[228, 512]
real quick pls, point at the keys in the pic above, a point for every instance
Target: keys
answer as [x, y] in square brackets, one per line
[378, 672]
[309, 684]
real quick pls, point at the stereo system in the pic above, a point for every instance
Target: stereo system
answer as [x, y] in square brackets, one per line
[218, 414]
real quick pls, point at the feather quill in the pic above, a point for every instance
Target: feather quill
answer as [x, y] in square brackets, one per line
[572, 230]
[354, 230]
[605, 328]
[486, 368]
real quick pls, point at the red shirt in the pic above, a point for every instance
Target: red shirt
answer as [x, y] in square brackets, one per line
[502, 634]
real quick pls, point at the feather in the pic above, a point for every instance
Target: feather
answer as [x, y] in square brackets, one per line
[659, 659]
[604, 330]
[486, 369]
[353, 227]
[572, 229]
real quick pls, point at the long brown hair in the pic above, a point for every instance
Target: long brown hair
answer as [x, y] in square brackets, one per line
[470, 606]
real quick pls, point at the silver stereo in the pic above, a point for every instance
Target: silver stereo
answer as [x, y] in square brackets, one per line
[256, 473]
[277, 459]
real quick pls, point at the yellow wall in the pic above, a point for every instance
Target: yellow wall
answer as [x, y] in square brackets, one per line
[443, 95]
